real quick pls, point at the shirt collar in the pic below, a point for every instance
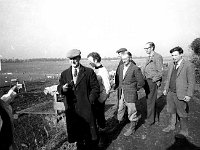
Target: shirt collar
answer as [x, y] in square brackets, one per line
[179, 62]
[152, 54]
[76, 68]
[97, 67]
[127, 65]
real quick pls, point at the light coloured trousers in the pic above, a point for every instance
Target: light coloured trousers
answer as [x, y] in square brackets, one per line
[132, 112]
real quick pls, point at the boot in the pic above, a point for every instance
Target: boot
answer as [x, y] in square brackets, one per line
[184, 129]
[172, 124]
[131, 128]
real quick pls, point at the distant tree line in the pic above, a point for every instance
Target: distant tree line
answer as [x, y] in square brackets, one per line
[16, 60]
[31, 60]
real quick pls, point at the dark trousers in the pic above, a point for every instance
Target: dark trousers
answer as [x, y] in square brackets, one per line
[151, 90]
[99, 113]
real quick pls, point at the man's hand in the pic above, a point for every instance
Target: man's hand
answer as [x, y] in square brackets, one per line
[187, 98]
[65, 87]
[165, 92]
[158, 83]
[10, 95]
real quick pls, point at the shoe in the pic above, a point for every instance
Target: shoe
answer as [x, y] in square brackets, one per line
[147, 124]
[131, 128]
[172, 124]
[184, 129]
[169, 128]
[101, 143]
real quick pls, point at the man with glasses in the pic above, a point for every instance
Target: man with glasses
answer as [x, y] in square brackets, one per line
[152, 72]
[80, 87]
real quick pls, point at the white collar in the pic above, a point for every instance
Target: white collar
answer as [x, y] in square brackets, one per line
[76, 68]
[179, 62]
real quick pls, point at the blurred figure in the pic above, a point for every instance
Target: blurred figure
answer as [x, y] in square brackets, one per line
[80, 87]
[152, 72]
[130, 81]
[6, 120]
[179, 89]
[103, 79]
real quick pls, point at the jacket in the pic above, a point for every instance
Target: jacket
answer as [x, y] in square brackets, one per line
[185, 81]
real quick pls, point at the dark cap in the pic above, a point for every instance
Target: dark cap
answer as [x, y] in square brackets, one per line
[73, 53]
[121, 50]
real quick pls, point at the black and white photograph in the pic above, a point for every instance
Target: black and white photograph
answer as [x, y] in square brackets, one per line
[99, 75]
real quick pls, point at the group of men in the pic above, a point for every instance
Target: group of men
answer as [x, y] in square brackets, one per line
[86, 90]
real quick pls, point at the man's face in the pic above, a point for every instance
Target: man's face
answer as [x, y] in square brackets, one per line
[92, 62]
[75, 61]
[176, 56]
[126, 59]
[148, 49]
[120, 54]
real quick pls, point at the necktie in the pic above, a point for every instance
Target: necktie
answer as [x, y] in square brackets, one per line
[75, 72]
[175, 65]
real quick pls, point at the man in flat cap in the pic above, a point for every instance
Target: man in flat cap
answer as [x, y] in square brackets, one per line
[80, 87]
[130, 81]
[120, 52]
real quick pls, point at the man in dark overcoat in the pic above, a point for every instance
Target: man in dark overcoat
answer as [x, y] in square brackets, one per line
[80, 87]
[6, 120]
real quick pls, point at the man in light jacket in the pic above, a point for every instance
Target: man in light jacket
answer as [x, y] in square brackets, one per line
[152, 72]
[179, 89]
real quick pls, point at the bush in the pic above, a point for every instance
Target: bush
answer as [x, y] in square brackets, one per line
[195, 46]
[196, 61]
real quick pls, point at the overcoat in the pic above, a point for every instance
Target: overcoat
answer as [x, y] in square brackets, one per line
[131, 83]
[78, 102]
[7, 129]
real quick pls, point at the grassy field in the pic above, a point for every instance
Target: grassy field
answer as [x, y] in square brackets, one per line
[29, 71]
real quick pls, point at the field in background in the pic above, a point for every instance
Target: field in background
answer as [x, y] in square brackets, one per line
[29, 71]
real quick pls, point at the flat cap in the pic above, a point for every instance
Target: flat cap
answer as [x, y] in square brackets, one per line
[73, 53]
[121, 50]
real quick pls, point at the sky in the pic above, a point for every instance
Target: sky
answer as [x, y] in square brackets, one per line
[49, 28]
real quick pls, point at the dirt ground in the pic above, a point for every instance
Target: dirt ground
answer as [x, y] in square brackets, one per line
[153, 138]
[143, 139]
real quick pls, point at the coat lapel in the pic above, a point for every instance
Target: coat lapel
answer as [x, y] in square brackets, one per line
[121, 72]
[129, 68]
[150, 59]
[81, 74]
[69, 75]
[170, 71]
[180, 67]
